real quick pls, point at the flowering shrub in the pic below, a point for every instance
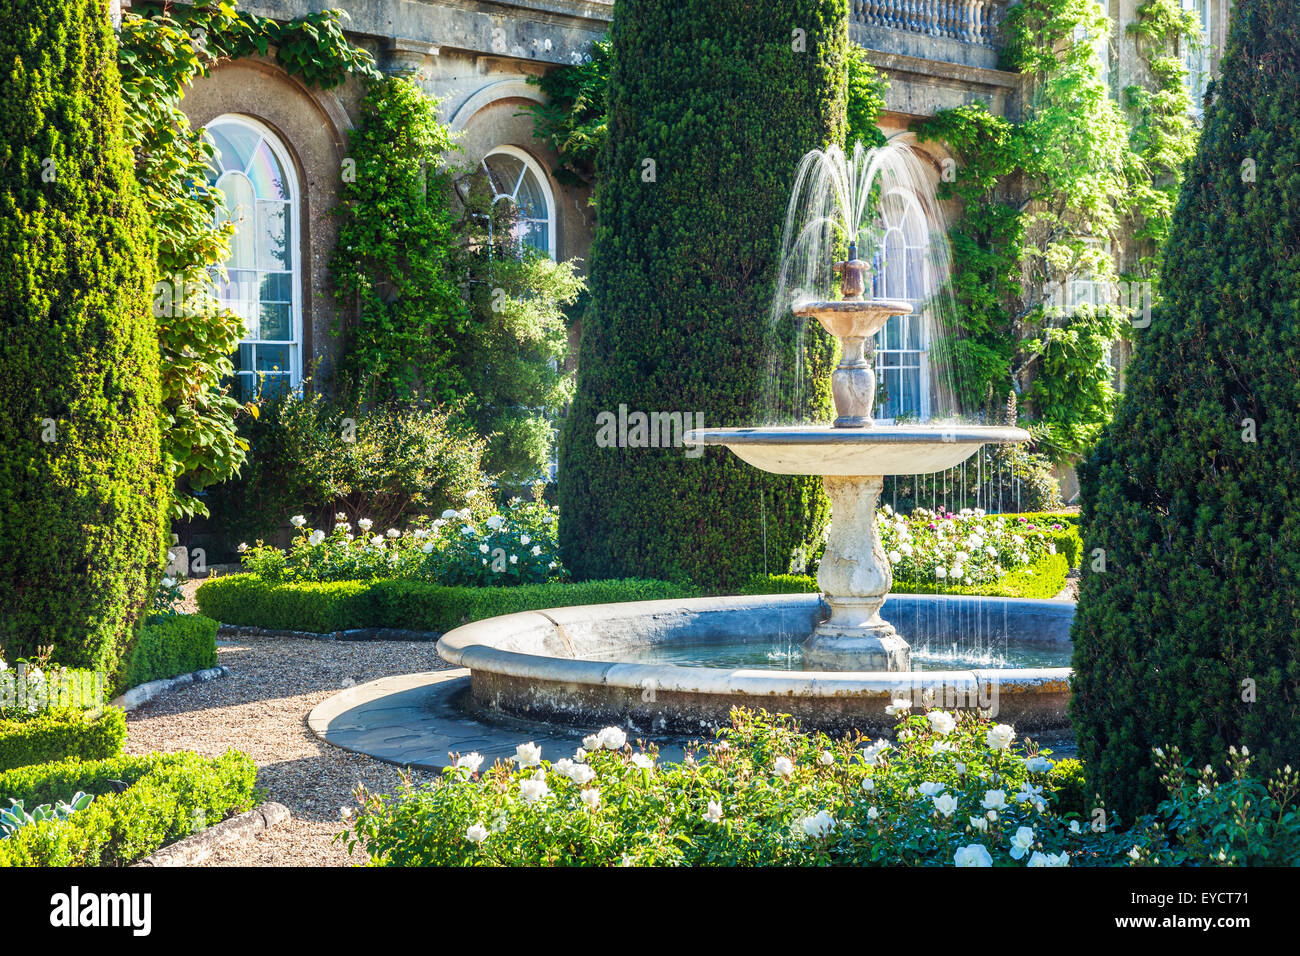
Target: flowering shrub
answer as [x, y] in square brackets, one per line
[953, 789]
[508, 546]
[966, 548]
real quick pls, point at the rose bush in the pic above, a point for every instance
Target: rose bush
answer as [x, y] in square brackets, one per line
[951, 789]
[471, 546]
[968, 547]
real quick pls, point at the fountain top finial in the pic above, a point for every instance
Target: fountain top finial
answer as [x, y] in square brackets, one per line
[853, 270]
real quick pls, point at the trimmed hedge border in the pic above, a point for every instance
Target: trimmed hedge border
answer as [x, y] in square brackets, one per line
[169, 645]
[169, 797]
[356, 610]
[58, 734]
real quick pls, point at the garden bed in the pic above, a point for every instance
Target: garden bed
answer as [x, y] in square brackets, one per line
[140, 804]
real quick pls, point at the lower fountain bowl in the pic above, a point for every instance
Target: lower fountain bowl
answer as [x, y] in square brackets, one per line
[579, 665]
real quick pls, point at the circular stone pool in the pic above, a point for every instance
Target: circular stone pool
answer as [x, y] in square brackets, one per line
[680, 666]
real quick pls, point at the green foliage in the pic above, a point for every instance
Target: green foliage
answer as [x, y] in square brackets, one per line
[1070, 782]
[711, 106]
[1041, 580]
[865, 101]
[320, 456]
[574, 119]
[1163, 134]
[81, 483]
[513, 358]
[162, 52]
[395, 262]
[16, 816]
[169, 645]
[1040, 199]
[1188, 638]
[60, 733]
[180, 794]
[47, 782]
[408, 605]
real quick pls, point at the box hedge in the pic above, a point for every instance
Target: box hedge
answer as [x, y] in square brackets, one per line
[169, 797]
[82, 489]
[60, 733]
[408, 605]
[1187, 634]
[170, 645]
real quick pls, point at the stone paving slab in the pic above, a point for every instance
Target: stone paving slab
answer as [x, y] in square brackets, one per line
[416, 720]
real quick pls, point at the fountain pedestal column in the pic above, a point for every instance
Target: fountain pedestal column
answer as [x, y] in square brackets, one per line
[855, 576]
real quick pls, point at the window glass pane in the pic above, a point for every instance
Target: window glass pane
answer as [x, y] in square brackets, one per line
[239, 210]
[277, 323]
[267, 175]
[273, 236]
[235, 144]
[504, 171]
[272, 358]
[277, 287]
[530, 198]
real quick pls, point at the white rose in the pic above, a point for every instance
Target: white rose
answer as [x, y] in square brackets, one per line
[946, 804]
[427, 548]
[495, 522]
[591, 742]
[872, 813]
[591, 798]
[930, 789]
[826, 758]
[528, 755]
[612, 738]
[994, 800]
[297, 521]
[899, 705]
[581, 774]
[470, 762]
[524, 539]
[537, 550]
[783, 766]
[818, 825]
[532, 790]
[1038, 764]
[942, 722]
[483, 549]
[316, 537]
[1000, 737]
[714, 813]
[1022, 842]
[868, 784]
[643, 761]
[895, 557]
[377, 540]
[477, 833]
[979, 823]
[393, 533]
[364, 524]
[448, 515]
[973, 855]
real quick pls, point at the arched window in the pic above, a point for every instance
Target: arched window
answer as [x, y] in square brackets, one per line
[1196, 54]
[902, 368]
[263, 281]
[517, 179]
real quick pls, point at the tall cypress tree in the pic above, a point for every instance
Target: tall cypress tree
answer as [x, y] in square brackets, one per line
[1189, 633]
[711, 105]
[81, 488]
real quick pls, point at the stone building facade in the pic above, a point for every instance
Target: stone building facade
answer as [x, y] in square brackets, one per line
[287, 142]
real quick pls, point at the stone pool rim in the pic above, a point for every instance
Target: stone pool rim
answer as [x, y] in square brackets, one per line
[530, 664]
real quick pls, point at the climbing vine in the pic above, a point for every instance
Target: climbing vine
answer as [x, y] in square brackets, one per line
[1050, 199]
[573, 120]
[162, 50]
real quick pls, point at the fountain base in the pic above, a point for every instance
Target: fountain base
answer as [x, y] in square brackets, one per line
[872, 648]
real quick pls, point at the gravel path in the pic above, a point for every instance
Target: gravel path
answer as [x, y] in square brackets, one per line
[261, 709]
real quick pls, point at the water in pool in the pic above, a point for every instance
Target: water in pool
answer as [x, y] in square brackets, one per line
[784, 654]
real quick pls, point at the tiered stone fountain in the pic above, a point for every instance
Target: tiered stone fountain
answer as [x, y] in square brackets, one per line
[853, 455]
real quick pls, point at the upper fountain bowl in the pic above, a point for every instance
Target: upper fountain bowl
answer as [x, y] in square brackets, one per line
[853, 318]
[879, 450]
